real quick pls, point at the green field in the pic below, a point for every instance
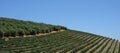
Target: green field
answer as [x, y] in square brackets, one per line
[62, 42]
[14, 38]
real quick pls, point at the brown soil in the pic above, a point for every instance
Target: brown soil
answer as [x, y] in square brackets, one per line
[40, 34]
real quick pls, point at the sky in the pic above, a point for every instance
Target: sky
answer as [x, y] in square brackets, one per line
[100, 17]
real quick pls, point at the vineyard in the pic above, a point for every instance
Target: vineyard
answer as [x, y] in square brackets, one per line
[69, 41]
[14, 28]
[54, 39]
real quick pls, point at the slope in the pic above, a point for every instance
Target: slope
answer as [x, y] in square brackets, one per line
[14, 28]
[68, 41]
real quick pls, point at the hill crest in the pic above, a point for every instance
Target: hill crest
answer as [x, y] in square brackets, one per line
[14, 28]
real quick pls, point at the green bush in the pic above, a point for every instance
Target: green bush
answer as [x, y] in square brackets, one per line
[13, 27]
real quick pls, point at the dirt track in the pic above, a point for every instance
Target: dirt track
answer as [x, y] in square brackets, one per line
[40, 34]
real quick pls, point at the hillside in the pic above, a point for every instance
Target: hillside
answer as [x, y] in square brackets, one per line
[67, 41]
[15, 28]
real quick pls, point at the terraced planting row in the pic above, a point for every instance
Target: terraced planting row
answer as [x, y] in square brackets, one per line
[62, 42]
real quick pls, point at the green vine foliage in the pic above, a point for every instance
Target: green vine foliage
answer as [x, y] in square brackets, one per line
[13, 27]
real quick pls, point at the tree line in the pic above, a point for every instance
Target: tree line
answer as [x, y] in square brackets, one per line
[13, 27]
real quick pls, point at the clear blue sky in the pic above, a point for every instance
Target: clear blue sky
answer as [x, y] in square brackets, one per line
[95, 16]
